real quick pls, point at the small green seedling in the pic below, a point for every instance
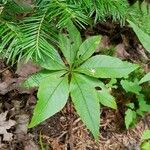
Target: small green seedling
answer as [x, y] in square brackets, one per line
[132, 112]
[76, 73]
[145, 137]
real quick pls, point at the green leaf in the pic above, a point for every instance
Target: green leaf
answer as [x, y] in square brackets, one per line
[70, 43]
[143, 37]
[52, 97]
[131, 105]
[145, 146]
[112, 83]
[90, 80]
[130, 118]
[66, 48]
[143, 106]
[102, 66]
[146, 135]
[104, 96]
[107, 99]
[35, 79]
[132, 87]
[74, 35]
[87, 48]
[86, 103]
[52, 62]
[145, 78]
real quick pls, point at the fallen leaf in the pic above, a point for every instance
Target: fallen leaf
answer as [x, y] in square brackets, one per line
[7, 86]
[5, 125]
[31, 100]
[7, 75]
[105, 42]
[24, 70]
[1, 144]
[22, 126]
[2, 64]
[55, 145]
[30, 145]
[121, 52]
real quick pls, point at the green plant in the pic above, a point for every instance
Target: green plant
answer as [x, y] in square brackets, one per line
[133, 112]
[146, 78]
[145, 136]
[76, 75]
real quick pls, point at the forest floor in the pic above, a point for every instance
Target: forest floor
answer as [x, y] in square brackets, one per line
[65, 131]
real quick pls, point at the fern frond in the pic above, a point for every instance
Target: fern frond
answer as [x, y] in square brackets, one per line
[115, 9]
[38, 33]
[11, 39]
[62, 11]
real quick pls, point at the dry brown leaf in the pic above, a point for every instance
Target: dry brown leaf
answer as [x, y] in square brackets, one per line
[1, 144]
[5, 125]
[30, 145]
[105, 42]
[6, 74]
[55, 145]
[24, 70]
[22, 126]
[121, 52]
[7, 86]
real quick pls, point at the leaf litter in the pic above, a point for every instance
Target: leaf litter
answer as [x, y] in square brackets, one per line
[5, 125]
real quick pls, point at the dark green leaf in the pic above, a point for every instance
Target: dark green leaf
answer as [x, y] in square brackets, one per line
[52, 62]
[131, 86]
[143, 106]
[143, 37]
[52, 97]
[145, 146]
[39, 34]
[66, 48]
[146, 135]
[74, 35]
[145, 78]
[130, 118]
[35, 79]
[102, 66]
[86, 103]
[107, 99]
[87, 48]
